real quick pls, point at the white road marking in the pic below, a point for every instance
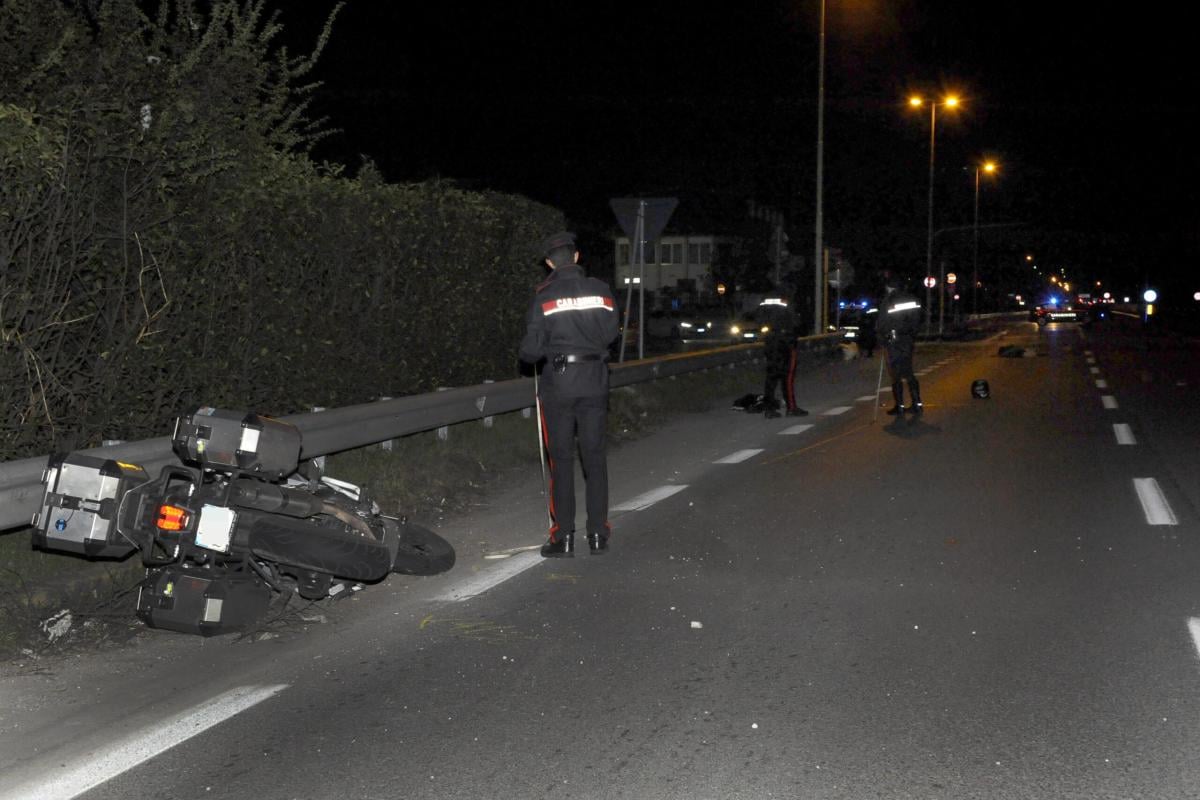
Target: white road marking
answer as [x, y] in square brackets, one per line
[643, 501]
[795, 429]
[1194, 629]
[926, 371]
[1087, 352]
[866, 398]
[1124, 433]
[738, 457]
[490, 578]
[833, 412]
[114, 759]
[1090, 360]
[1094, 370]
[1154, 503]
[1101, 383]
[1109, 401]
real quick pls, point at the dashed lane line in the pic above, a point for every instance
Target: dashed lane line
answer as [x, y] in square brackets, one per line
[1154, 502]
[1109, 402]
[739, 456]
[1194, 629]
[866, 398]
[1094, 370]
[647, 499]
[491, 578]
[795, 429]
[1124, 433]
[117, 758]
[1101, 383]
[833, 412]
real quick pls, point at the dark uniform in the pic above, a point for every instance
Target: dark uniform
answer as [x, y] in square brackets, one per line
[897, 327]
[779, 350]
[570, 325]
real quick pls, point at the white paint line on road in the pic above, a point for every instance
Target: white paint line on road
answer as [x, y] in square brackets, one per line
[1194, 629]
[795, 429]
[1101, 383]
[1154, 503]
[1087, 352]
[102, 765]
[1124, 433]
[738, 457]
[833, 412]
[491, 577]
[1090, 360]
[643, 501]
[925, 371]
[866, 398]
[1109, 401]
[1094, 370]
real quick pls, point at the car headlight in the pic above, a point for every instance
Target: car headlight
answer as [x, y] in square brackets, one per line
[685, 324]
[735, 330]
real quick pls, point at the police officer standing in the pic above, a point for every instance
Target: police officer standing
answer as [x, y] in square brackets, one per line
[779, 350]
[897, 326]
[570, 325]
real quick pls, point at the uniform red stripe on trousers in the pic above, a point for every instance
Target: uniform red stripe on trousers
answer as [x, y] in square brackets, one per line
[550, 464]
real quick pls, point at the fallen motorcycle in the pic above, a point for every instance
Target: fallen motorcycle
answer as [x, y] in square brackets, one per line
[232, 526]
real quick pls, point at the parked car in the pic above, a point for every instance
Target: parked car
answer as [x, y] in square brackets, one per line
[682, 325]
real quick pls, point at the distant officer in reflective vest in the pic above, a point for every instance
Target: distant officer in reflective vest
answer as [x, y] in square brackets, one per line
[897, 327]
[569, 327]
[779, 351]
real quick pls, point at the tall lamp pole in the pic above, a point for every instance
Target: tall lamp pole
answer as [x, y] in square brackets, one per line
[988, 167]
[818, 260]
[917, 102]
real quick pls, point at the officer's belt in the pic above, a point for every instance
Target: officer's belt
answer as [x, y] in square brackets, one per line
[576, 358]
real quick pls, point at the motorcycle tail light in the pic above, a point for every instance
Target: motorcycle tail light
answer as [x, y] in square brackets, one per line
[171, 518]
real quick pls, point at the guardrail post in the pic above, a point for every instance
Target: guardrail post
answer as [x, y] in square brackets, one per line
[443, 433]
[487, 421]
[387, 444]
[319, 461]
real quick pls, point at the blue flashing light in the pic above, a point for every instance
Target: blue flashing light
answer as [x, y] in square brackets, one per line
[1053, 301]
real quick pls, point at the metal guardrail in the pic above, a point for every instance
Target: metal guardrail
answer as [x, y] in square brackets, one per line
[349, 427]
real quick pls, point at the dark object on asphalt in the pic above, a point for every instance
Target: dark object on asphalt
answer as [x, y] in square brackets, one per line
[1011, 351]
[750, 403]
[979, 389]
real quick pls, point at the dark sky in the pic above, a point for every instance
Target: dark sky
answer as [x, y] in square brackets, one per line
[1092, 117]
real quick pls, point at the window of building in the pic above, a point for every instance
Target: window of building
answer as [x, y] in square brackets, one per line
[665, 251]
[677, 253]
[705, 253]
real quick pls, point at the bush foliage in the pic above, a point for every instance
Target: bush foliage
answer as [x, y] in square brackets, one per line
[165, 240]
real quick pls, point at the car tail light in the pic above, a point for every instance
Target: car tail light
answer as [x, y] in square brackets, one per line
[171, 518]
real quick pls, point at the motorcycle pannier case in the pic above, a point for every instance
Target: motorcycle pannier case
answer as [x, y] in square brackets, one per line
[80, 505]
[236, 440]
[199, 601]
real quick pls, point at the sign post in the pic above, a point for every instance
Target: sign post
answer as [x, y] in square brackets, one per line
[643, 220]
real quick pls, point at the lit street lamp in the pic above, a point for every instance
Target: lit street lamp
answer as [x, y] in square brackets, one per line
[989, 167]
[916, 102]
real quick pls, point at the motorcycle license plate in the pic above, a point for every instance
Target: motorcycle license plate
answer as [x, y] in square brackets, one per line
[214, 531]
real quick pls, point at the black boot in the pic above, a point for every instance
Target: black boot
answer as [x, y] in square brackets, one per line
[898, 395]
[561, 547]
[597, 543]
[914, 389]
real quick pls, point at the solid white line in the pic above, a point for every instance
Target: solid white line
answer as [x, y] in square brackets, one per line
[491, 577]
[1109, 401]
[866, 398]
[738, 457]
[1154, 503]
[1124, 433]
[1094, 370]
[649, 498]
[112, 760]
[1101, 383]
[1194, 629]
[833, 412]
[795, 429]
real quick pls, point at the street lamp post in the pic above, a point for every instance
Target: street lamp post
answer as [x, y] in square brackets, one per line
[917, 102]
[988, 167]
[818, 285]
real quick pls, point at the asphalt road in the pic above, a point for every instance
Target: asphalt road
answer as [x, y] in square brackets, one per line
[998, 600]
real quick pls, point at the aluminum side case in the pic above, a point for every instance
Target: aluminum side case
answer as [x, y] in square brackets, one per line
[80, 505]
